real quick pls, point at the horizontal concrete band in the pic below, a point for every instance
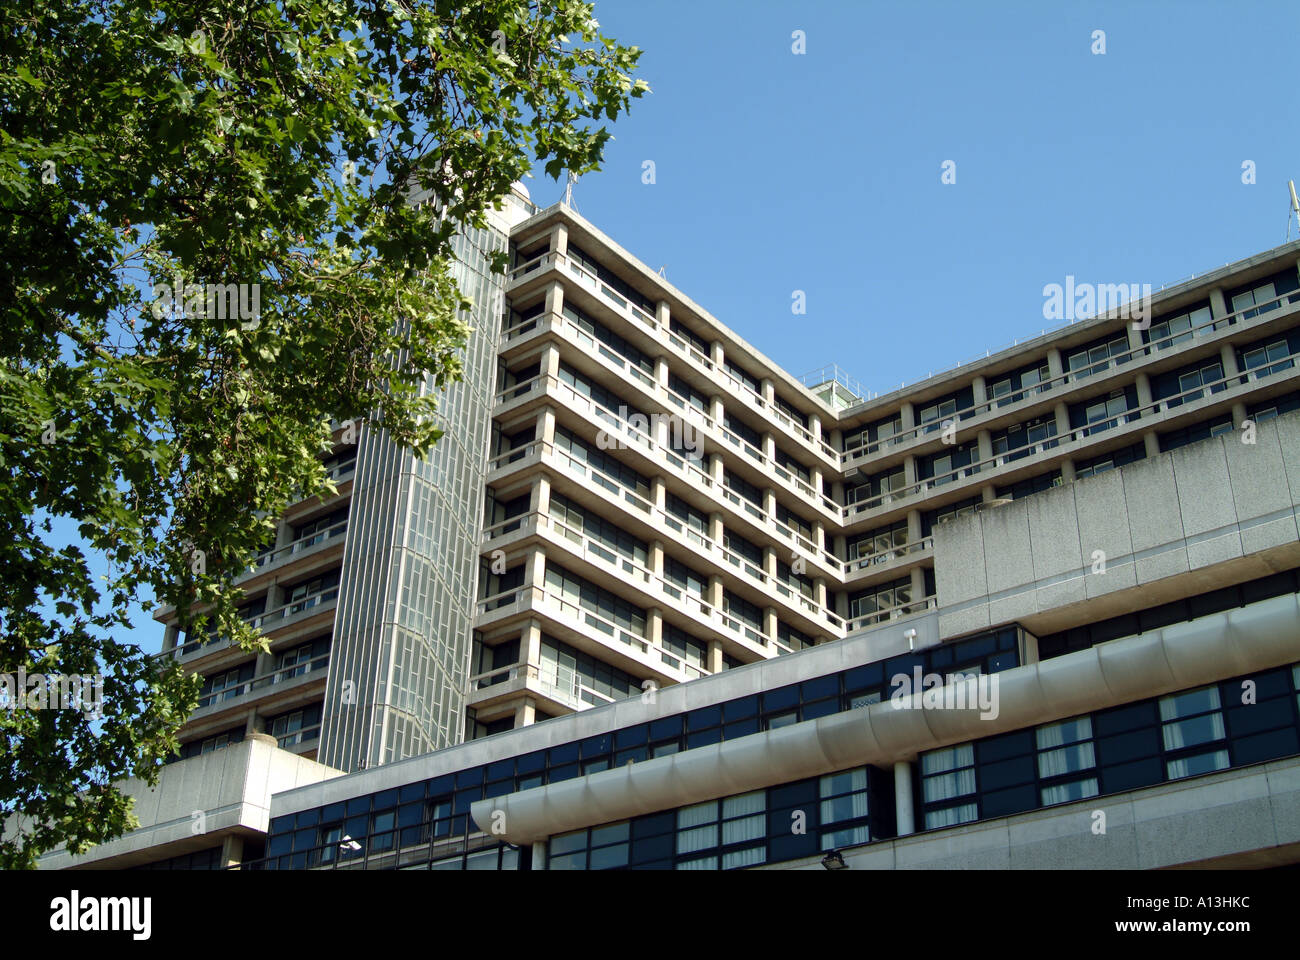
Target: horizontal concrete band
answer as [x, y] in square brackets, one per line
[1252, 638]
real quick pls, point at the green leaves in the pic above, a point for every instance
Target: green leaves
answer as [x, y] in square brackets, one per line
[142, 141]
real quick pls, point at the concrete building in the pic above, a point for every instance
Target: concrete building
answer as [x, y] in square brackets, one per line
[1101, 522]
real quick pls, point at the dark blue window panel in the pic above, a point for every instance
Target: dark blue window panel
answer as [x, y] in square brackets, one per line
[706, 717]
[1130, 776]
[531, 762]
[498, 789]
[596, 746]
[741, 728]
[822, 708]
[501, 769]
[566, 753]
[278, 845]
[1128, 746]
[653, 848]
[472, 777]
[358, 805]
[1266, 746]
[631, 736]
[740, 709]
[865, 678]
[358, 826]
[1266, 715]
[1001, 803]
[654, 824]
[703, 738]
[821, 687]
[440, 786]
[781, 698]
[410, 815]
[1006, 773]
[666, 727]
[566, 772]
[632, 755]
[411, 791]
[281, 824]
[332, 811]
[1018, 743]
[1124, 718]
[386, 799]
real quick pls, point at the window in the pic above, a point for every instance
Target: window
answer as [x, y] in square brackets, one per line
[844, 809]
[293, 663]
[1171, 331]
[1105, 414]
[1190, 383]
[944, 409]
[1065, 754]
[947, 778]
[1259, 298]
[879, 546]
[1090, 360]
[881, 602]
[1275, 355]
[1193, 733]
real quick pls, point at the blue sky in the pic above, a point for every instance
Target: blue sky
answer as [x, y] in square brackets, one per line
[821, 172]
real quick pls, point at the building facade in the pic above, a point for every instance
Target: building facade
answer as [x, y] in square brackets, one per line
[630, 497]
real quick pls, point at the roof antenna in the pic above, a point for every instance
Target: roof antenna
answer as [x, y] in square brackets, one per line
[1294, 211]
[568, 191]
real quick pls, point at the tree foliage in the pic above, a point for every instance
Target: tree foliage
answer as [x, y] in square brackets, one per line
[270, 143]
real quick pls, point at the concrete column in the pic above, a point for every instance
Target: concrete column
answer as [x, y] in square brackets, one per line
[1228, 358]
[546, 426]
[283, 534]
[555, 299]
[769, 561]
[1152, 443]
[1067, 470]
[535, 568]
[769, 502]
[904, 808]
[815, 479]
[907, 413]
[1239, 414]
[815, 426]
[1062, 421]
[716, 410]
[530, 646]
[834, 439]
[769, 446]
[656, 558]
[767, 389]
[769, 621]
[560, 239]
[984, 440]
[1135, 341]
[819, 534]
[839, 545]
[661, 371]
[525, 713]
[716, 468]
[716, 354]
[909, 471]
[658, 492]
[918, 584]
[714, 594]
[820, 592]
[716, 528]
[539, 855]
[654, 624]
[1055, 366]
[979, 390]
[913, 526]
[539, 499]
[1218, 304]
[549, 366]
[1144, 390]
[662, 316]
[988, 493]
[232, 850]
[714, 662]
